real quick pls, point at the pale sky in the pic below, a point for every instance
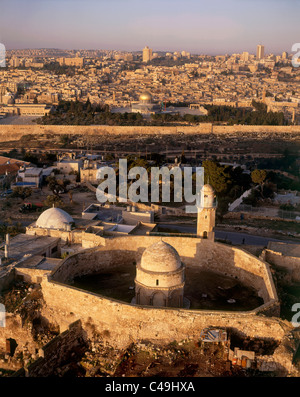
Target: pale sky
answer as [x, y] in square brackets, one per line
[210, 26]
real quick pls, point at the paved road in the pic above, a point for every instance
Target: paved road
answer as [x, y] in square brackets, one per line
[234, 237]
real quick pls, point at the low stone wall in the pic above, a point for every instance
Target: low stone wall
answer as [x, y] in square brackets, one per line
[289, 263]
[14, 328]
[247, 215]
[30, 275]
[74, 236]
[58, 350]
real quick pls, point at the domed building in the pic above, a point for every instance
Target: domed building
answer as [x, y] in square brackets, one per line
[145, 97]
[160, 277]
[55, 218]
[145, 105]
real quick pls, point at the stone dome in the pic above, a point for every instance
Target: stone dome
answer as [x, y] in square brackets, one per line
[208, 189]
[161, 258]
[207, 197]
[145, 97]
[54, 218]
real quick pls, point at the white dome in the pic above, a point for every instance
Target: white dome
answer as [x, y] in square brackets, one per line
[161, 257]
[54, 218]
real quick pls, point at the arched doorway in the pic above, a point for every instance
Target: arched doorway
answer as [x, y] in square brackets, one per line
[158, 299]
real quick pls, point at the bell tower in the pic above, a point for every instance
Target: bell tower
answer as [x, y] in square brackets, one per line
[206, 217]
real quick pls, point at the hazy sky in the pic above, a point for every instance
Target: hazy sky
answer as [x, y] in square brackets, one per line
[210, 26]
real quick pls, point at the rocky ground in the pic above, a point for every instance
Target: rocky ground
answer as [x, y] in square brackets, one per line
[185, 359]
[98, 357]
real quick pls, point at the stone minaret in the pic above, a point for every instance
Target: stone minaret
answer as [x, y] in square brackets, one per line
[206, 218]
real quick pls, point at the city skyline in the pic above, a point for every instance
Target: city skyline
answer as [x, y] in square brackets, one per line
[200, 28]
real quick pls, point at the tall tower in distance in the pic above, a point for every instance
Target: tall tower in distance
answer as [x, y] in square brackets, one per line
[206, 217]
[147, 54]
[260, 52]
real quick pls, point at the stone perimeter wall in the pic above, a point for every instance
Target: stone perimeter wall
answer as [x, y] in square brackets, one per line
[125, 323]
[290, 263]
[218, 257]
[15, 132]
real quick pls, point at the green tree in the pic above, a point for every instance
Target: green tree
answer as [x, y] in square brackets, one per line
[217, 176]
[57, 186]
[22, 192]
[53, 200]
[259, 177]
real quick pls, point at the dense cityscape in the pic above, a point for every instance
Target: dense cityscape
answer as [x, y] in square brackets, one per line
[116, 79]
[150, 209]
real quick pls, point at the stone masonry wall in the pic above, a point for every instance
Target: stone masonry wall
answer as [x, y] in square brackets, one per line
[55, 352]
[15, 132]
[290, 263]
[193, 252]
[123, 323]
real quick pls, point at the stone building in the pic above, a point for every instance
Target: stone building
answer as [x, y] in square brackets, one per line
[206, 217]
[160, 277]
[158, 309]
[55, 218]
[145, 105]
[147, 54]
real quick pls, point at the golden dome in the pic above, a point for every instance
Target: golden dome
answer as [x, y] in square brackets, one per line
[145, 97]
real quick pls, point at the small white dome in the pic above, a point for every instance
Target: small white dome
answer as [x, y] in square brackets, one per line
[54, 218]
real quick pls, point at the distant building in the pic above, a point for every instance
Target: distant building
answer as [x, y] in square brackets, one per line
[147, 54]
[15, 62]
[78, 62]
[26, 109]
[145, 105]
[67, 165]
[260, 52]
[245, 56]
[29, 177]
